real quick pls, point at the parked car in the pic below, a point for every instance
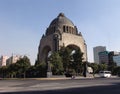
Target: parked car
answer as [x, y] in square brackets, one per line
[68, 74]
[105, 74]
[119, 74]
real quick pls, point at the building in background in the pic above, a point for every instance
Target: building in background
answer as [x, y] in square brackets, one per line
[13, 59]
[111, 55]
[3, 60]
[96, 51]
[104, 57]
[116, 59]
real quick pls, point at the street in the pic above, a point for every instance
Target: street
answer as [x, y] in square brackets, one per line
[63, 86]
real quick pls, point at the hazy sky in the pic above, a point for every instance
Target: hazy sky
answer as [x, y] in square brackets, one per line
[22, 23]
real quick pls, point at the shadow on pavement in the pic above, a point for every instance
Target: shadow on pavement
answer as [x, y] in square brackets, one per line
[111, 89]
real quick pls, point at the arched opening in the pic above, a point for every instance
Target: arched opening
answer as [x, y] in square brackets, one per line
[73, 47]
[76, 59]
[46, 53]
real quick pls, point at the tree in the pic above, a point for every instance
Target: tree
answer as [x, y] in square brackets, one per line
[112, 67]
[37, 62]
[77, 61]
[65, 54]
[57, 65]
[31, 72]
[23, 65]
[3, 71]
[102, 67]
[41, 69]
[116, 70]
[94, 67]
[13, 69]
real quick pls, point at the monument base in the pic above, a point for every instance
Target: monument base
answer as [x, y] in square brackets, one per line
[49, 74]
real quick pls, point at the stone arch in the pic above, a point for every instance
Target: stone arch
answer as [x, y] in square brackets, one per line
[45, 53]
[73, 47]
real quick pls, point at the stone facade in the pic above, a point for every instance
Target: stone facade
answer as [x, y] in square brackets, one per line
[61, 32]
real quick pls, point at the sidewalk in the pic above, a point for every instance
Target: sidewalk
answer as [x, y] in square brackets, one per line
[61, 78]
[66, 78]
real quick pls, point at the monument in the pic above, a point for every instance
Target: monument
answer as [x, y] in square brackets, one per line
[61, 32]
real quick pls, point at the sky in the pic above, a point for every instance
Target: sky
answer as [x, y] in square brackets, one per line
[23, 22]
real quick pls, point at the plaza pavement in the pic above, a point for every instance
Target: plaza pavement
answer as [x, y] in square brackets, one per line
[34, 84]
[53, 83]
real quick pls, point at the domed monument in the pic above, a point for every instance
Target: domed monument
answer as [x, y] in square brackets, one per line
[61, 32]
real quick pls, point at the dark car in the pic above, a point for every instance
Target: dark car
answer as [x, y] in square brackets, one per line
[68, 74]
[119, 74]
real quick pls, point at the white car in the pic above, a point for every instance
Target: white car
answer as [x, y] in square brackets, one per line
[105, 74]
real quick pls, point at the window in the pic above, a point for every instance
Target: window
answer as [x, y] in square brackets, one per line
[67, 28]
[63, 28]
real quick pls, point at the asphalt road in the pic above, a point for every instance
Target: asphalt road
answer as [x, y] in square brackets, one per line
[64, 86]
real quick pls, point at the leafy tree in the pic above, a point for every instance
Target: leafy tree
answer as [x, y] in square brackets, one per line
[41, 69]
[13, 69]
[57, 65]
[37, 62]
[31, 72]
[112, 67]
[3, 71]
[94, 67]
[77, 61]
[65, 54]
[115, 70]
[102, 67]
[23, 65]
